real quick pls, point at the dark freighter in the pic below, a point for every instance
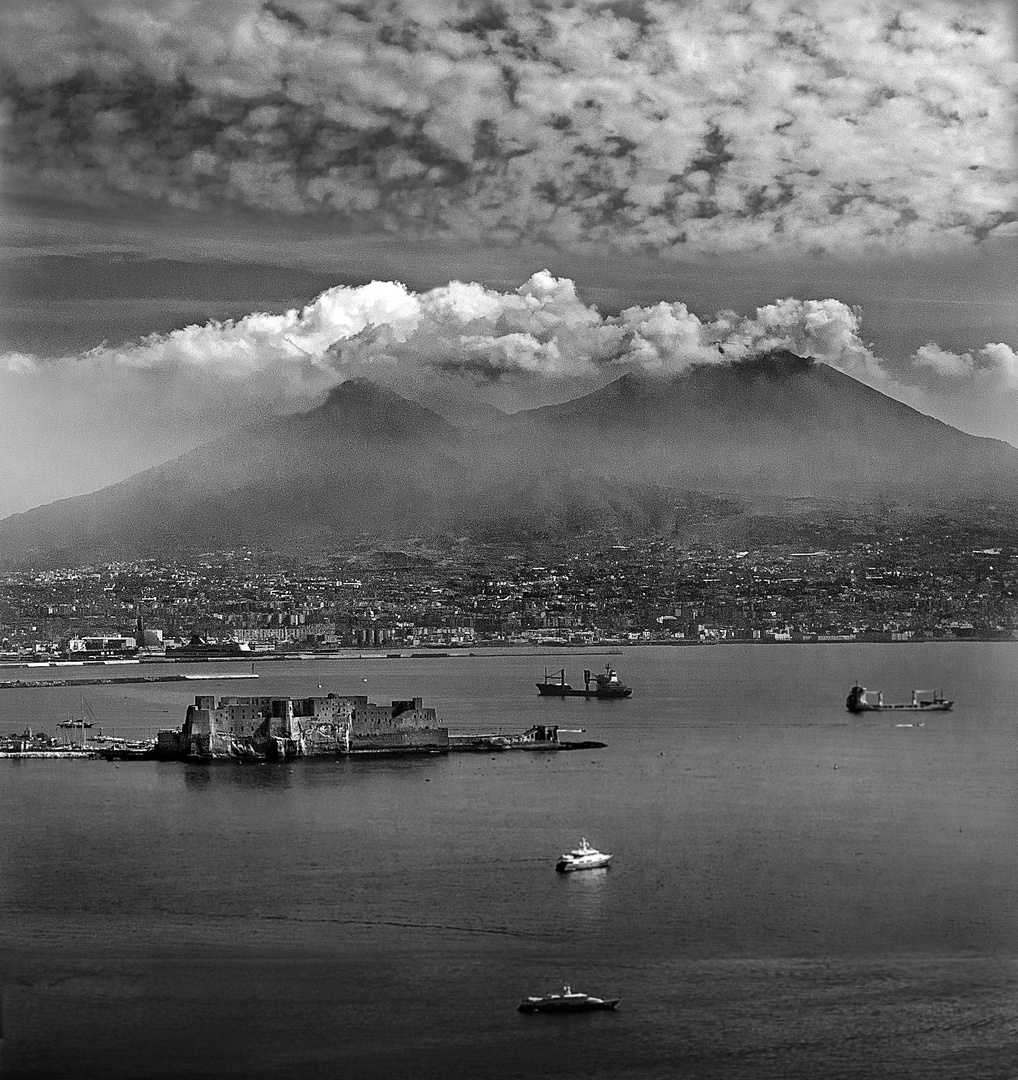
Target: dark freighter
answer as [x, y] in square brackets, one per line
[606, 685]
[861, 700]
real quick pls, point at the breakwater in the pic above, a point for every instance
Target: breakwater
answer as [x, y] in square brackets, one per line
[50, 755]
[28, 684]
[464, 744]
[456, 745]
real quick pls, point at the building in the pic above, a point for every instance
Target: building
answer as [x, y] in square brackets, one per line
[200, 648]
[98, 648]
[260, 728]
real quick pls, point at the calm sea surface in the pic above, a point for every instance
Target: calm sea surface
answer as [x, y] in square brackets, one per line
[794, 893]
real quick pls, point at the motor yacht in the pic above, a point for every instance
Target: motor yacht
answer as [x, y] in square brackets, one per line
[568, 1001]
[584, 857]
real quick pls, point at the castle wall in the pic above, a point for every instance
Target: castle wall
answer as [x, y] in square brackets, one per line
[273, 727]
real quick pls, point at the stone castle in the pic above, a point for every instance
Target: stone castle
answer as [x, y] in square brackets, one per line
[266, 728]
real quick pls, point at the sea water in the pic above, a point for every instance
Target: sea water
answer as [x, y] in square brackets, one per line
[795, 892]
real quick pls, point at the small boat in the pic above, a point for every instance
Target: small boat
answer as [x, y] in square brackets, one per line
[584, 857]
[567, 1001]
[861, 700]
[77, 723]
[130, 751]
[607, 684]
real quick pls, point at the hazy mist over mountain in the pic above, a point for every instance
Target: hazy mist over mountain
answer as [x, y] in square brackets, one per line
[627, 457]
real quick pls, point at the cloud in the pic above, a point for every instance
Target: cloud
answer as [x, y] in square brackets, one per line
[944, 362]
[994, 367]
[825, 329]
[974, 390]
[112, 411]
[701, 126]
[539, 334]
[540, 331]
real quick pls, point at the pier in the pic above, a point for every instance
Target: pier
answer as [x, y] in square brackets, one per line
[539, 737]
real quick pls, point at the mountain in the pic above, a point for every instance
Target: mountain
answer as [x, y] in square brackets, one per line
[459, 409]
[366, 461]
[778, 425]
[639, 454]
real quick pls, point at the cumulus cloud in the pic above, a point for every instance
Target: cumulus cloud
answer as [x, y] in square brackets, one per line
[540, 332]
[943, 361]
[711, 125]
[113, 410]
[994, 367]
[975, 390]
[825, 329]
[542, 329]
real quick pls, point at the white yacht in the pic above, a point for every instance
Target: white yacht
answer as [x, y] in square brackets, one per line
[584, 857]
[568, 1001]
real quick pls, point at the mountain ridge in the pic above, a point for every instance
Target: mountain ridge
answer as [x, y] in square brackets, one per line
[628, 456]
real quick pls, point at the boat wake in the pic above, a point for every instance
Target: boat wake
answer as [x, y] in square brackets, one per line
[395, 923]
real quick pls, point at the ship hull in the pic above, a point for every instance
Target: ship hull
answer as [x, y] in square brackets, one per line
[933, 706]
[566, 866]
[557, 690]
[129, 753]
[565, 1006]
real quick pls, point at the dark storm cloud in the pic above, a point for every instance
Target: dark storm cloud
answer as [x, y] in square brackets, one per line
[658, 126]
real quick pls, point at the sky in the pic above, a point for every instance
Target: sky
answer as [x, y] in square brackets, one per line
[214, 211]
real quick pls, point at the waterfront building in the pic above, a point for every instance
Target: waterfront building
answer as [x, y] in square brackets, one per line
[283, 727]
[91, 648]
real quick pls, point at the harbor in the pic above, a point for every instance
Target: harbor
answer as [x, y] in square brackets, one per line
[204, 889]
[275, 728]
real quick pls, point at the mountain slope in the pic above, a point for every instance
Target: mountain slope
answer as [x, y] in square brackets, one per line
[367, 460]
[632, 456]
[780, 424]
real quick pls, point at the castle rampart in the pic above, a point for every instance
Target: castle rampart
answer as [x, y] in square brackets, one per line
[262, 728]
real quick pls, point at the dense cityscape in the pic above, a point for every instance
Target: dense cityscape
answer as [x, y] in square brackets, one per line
[591, 590]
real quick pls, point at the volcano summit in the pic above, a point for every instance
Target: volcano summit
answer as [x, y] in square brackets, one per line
[370, 462]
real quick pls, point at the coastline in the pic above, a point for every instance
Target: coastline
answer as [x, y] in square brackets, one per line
[614, 648]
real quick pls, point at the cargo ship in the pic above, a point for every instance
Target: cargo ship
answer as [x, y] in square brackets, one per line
[607, 684]
[861, 700]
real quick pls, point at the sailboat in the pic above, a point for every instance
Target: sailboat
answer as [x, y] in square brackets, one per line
[82, 720]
